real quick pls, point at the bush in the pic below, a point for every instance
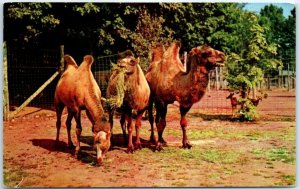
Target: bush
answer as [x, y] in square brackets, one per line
[248, 111]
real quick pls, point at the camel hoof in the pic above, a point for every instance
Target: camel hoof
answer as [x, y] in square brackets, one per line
[77, 154]
[187, 146]
[158, 148]
[130, 150]
[163, 142]
[138, 146]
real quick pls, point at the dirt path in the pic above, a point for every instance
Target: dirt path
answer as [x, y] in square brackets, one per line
[224, 153]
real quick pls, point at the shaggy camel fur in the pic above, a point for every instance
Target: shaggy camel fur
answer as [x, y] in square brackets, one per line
[78, 90]
[136, 97]
[169, 82]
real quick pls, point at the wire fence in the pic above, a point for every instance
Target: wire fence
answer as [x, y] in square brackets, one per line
[29, 69]
[102, 70]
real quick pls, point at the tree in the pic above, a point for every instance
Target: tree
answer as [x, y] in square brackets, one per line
[26, 21]
[281, 31]
[247, 66]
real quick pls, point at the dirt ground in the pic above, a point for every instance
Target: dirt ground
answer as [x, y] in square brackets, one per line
[225, 152]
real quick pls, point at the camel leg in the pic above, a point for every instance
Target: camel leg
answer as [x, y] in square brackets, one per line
[130, 147]
[151, 119]
[162, 122]
[123, 126]
[183, 123]
[138, 124]
[68, 124]
[59, 110]
[89, 115]
[78, 133]
[111, 122]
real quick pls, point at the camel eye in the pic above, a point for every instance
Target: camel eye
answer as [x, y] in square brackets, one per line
[132, 62]
[209, 53]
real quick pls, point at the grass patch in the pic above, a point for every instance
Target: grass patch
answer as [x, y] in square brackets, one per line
[13, 178]
[280, 154]
[286, 180]
[179, 183]
[219, 156]
[275, 154]
[214, 175]
[289, 179]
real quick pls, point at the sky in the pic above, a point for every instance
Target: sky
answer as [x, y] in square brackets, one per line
[287, 7]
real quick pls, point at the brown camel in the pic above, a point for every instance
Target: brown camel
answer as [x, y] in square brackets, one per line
[169, 82]
[234, 102]
[78, 90]
[135, 98]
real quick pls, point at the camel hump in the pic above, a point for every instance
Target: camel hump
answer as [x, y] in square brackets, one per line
[69, 61]
[176, 47]
[157, 52]
[88, 59]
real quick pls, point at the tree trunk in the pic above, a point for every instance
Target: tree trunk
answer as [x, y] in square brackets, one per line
[253, 91]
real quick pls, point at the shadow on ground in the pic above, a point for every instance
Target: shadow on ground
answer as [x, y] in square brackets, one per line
[208, 117]
[87, 152]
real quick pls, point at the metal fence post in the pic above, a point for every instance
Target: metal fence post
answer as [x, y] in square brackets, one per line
[5, 85]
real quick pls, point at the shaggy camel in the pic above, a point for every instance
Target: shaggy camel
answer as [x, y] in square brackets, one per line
[78, 90]
[135, 98]
[169, 82]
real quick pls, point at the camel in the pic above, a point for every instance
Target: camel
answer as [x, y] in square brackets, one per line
[169, 82]
[135, 98]
[77, 90]
[234, 102]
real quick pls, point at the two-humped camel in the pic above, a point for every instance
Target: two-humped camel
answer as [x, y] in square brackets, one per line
[169, 82]
[78, 90]
[136, 96]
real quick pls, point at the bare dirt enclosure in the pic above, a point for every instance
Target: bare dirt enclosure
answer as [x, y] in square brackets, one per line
[224, 153]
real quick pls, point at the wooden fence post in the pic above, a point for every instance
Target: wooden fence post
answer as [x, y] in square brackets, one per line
[288, 78]
[38, 91]
[5, 85]
[62, 61]
[217, 78]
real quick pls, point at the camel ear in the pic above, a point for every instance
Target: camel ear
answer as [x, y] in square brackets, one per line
[137, 60]
[195, 51]
[125, 54]
[89, 59]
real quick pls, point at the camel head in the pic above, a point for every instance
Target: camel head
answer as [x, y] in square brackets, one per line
[129, 63]
[102, 136]
[208, 57]
[230, 95]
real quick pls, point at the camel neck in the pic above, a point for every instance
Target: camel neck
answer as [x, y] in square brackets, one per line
[198, 74]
